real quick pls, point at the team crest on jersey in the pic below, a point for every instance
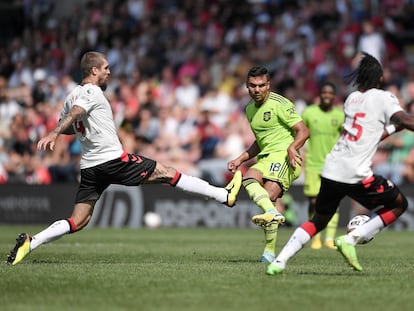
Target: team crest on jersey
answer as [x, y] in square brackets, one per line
[334, 122]
[89, 91]
[266, 116]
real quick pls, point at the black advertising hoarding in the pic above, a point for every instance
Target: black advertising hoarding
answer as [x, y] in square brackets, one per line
[122, 206]
[24, 204]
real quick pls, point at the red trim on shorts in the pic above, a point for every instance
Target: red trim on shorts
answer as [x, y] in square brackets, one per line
[367, 182]
[310, 228]
[72, 225]
[124, 157]
[387, 216]
[176, 178]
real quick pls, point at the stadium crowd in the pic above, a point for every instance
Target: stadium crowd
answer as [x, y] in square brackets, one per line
[178, 70]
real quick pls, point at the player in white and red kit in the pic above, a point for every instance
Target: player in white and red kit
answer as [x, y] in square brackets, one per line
[371, 115]
[87, 113]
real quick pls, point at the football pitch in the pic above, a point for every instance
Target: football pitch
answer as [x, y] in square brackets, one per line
[201, 269]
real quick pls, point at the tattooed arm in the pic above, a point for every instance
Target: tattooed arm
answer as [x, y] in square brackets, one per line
[61, 128]
[69, 131]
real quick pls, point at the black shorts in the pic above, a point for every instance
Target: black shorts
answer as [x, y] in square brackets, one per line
[371, 193]
[129, 170]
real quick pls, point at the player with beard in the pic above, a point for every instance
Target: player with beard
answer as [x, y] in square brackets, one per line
[87, 113]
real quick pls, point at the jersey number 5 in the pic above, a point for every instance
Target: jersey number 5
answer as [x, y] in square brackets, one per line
[356, 126]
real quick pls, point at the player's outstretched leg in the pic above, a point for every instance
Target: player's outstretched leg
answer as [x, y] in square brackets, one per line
[233, 188]
[348, 252]
[20, 250]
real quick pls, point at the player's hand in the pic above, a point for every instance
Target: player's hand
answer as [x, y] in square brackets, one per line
[47, 142]
[233, 165]
[294, 158]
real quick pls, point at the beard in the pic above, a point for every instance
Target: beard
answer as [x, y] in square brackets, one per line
[325, 105]
[103, 86]
[102, 82]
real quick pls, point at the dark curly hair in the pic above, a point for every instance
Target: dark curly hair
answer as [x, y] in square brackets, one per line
[368, 74]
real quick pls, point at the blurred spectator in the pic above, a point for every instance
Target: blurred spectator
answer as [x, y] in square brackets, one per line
[40, 89]
[408, 170]
[288, 88]
[36, 172]
[56, 93]
[209, 133]
[228, 147]
[407, 87]
[21, 75]
[187, 138]
[187, 92]
[165, 90]
[147, 129]
[219, 104]
[372, 41]
[8, 107]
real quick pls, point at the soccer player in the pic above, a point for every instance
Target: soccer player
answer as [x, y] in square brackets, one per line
[280, 133]
[371, 114]
[87, 113]
[324, 121]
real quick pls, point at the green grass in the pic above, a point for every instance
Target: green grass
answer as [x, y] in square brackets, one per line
[201, 269]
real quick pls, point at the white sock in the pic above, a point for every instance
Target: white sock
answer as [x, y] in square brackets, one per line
[51, 233]
[365, 232]
[296, 242]
[199, 186]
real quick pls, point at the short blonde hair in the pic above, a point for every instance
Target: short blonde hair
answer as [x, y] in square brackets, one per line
[89, 60]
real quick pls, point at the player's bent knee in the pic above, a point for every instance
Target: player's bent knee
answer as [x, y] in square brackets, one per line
[404, 202]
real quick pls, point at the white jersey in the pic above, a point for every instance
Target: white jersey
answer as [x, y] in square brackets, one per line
[366, 115]
[96, 129]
